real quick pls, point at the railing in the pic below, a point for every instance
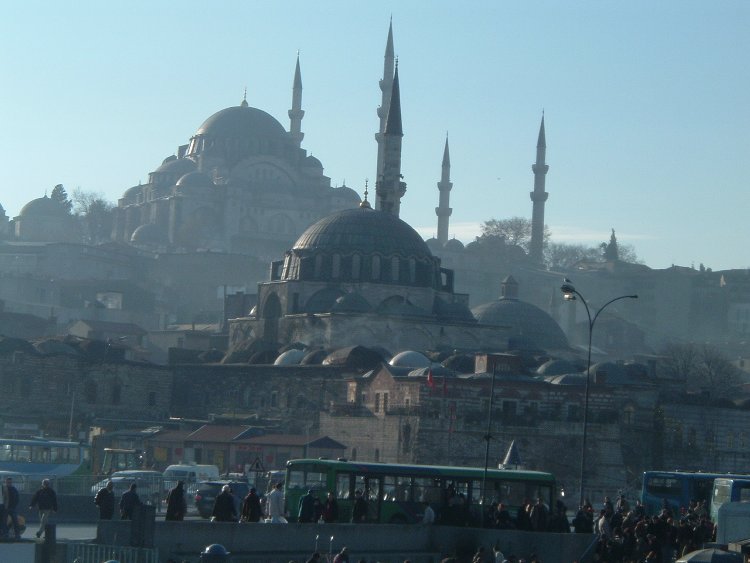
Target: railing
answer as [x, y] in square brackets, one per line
[81, 552]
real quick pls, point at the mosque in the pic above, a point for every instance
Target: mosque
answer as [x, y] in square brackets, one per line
[364, 276]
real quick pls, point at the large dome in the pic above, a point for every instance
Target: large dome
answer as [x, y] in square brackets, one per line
[242, 122]
[364, 231]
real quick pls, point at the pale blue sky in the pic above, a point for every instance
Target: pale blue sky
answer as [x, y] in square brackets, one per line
[646, 104]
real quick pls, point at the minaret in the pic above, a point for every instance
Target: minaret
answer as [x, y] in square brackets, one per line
[389, 188]
[386, 85]
[538, 196]
[296, 113]
[443, 211]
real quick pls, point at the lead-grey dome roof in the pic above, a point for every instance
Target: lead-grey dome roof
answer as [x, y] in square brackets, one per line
[524, 319]
[365, 231]
[242, 122]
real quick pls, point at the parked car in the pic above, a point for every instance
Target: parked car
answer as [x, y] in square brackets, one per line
[207, 492]
[149, 485]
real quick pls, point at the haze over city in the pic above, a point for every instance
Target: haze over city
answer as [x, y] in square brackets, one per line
[645, 111]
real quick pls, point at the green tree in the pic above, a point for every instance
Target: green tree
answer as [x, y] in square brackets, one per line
[59, 195]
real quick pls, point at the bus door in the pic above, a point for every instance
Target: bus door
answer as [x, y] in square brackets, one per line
[372, 491]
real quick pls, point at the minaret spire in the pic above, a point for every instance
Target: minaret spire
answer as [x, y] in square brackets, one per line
[538, 197]
[386, 85]
[296, 113]
[389, 189]
[444, 211]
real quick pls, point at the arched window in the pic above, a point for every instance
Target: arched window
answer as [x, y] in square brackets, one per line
[336, 266]
[412, 270]
[394, 268]
[356, 266]
[376, 267]
[318, 266]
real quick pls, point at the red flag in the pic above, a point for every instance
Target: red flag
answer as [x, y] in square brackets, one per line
[430, 380]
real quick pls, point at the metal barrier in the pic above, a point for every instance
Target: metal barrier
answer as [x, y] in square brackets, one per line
[80, 552]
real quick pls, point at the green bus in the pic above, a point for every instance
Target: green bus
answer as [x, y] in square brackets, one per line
[398, 493]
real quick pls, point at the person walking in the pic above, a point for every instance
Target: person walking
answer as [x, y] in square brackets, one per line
[330, 509]
[45, 499]
[10, 494]
[224, 510]
[359, 510]
[306, 509]
[251, 511]
[276, 505]
[128, 502]
[176, 503]
[105, 500]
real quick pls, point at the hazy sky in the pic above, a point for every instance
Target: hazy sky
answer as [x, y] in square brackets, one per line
[646, 105]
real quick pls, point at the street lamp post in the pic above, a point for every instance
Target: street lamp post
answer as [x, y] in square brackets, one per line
[572, 294]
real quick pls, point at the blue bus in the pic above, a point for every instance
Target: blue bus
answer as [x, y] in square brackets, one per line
[728, 490]
[678, 488]
[43, 456]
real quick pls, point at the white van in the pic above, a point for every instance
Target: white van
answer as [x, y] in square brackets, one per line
[190, 473]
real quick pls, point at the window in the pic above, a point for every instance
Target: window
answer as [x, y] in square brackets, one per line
[376, 267]
[336, 266]
[377, 402]
[385, 402]
[356, 266]
[394, 268]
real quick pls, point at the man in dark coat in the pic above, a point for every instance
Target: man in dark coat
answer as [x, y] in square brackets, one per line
[46, 500]
[105, 500]
[306, 512]
[251, 511]
[10, 494]
[128, 502]
[176, 503]
[224, 510]
[359, 510]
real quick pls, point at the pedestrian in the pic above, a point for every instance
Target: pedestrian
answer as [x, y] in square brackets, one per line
[10, 495]
[128, 502]
[306, 508]
[275, 505]
[251, 511]
[45, 500]
[176, 503]
[359, 510]
[342, 556]
[105, 500]
[224, 509]
[330, 509]
[429, 514]
[538, 516]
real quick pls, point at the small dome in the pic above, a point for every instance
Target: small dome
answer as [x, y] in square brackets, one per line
[567, 379]
[346, 195]
[434, 245]
[454, 245]
[410, 359]
[176, 166]
[194, 179]
[526, 321]
[43, 207]
[314, 357]
[351, 303]
[312, 162]
[290, 358]
[147, 234]
[557, 367]
[453, 311]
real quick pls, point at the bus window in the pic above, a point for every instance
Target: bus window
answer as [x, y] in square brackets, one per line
[664, 486]
[344, 486]
[427, 489]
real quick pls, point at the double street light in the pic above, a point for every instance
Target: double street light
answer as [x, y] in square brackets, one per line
[572, 294]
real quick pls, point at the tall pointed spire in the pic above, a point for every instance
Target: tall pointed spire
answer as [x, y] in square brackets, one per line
[296, 113]
[386, 85]
[538, 197]
[389, 189]
[444, 211]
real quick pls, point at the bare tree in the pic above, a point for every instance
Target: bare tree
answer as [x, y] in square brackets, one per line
[95, 213]
[701, 367]
[516, 231]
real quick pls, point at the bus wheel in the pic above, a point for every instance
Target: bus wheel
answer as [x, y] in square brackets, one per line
[397, 519]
